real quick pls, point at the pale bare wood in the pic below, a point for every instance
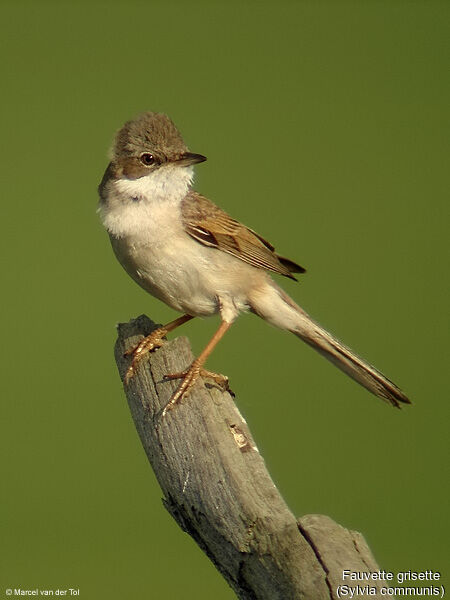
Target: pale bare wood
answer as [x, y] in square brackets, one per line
[216, 486]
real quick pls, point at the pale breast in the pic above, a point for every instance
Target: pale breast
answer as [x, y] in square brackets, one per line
[149, 240]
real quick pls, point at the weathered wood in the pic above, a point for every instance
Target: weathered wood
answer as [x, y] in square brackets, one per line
[216, 486]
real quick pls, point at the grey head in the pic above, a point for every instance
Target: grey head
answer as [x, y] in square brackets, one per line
[149, 142]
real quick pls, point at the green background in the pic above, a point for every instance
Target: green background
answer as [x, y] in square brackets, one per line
[325, 128]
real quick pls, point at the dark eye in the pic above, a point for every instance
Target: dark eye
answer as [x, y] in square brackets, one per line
[147, 159]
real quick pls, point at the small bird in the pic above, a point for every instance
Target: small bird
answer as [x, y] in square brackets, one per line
[189, 253]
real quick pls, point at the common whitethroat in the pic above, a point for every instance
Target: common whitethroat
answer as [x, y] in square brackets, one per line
[186, 251]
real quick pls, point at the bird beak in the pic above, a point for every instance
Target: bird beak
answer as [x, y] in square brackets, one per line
[189, 158]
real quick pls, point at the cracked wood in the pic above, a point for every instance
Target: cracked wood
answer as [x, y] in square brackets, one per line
[216, 486]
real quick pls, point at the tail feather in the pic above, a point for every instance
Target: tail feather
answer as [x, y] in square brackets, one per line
[359, 370]
[280, 310]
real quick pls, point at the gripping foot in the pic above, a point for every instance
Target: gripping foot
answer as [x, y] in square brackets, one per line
[189, 377]
[149, 343]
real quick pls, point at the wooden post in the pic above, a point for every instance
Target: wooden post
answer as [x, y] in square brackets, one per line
[216, 486]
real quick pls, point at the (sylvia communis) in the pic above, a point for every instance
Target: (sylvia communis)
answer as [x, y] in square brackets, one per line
[184, 250]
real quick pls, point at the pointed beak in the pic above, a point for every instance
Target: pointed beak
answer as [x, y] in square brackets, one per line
[189, 158]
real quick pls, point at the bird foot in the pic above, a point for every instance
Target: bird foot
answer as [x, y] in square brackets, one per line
[189, 377]
[147, 344]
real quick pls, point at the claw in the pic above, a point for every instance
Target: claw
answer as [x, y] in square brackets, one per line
[189, 377]
[147, 344]
[221, 380]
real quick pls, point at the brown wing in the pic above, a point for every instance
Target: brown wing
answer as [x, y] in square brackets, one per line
[211, 226]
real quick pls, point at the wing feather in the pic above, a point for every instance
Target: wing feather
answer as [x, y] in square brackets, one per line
[211, 226]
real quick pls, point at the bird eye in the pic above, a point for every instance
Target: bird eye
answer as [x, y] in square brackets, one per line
[147, 159]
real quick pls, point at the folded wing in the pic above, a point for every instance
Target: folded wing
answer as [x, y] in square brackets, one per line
[211, 226]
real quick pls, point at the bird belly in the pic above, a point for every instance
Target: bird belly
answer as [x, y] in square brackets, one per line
[186, 275]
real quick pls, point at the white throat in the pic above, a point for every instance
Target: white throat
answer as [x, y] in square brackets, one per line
[167, 183]
[131, 204]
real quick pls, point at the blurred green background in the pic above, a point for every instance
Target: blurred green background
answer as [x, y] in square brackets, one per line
[324, 125]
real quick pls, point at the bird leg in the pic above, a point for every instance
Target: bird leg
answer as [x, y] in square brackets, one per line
[190, 376]
[150, 342]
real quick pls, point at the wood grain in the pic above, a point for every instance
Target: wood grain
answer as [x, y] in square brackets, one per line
[216, 486]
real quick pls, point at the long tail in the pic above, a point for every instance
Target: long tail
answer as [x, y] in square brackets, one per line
[276, 307]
